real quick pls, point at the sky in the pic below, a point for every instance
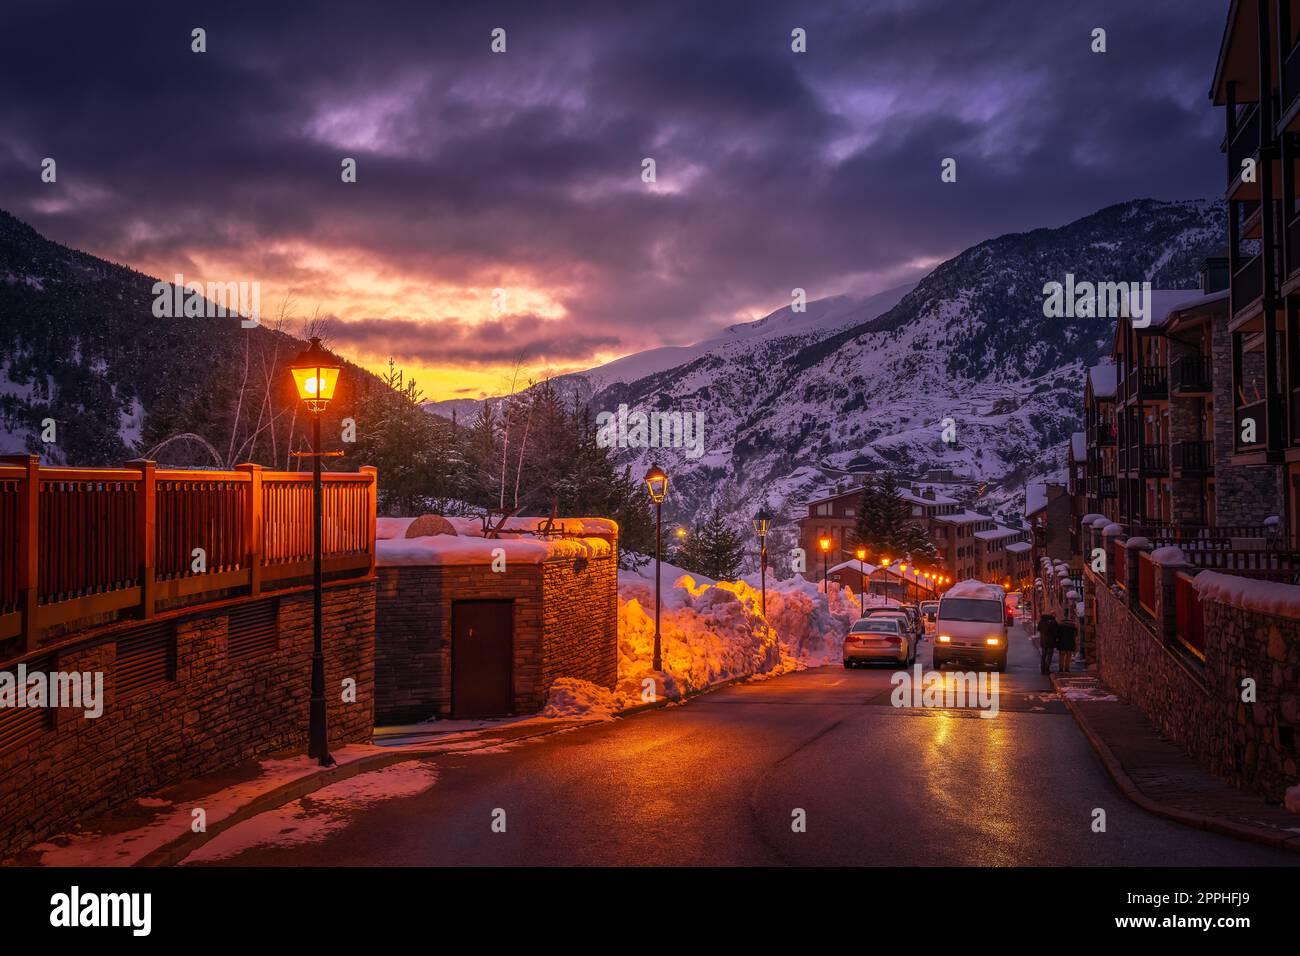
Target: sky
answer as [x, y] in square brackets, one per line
[522, 171]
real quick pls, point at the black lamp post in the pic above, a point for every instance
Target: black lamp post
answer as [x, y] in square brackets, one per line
[761, 522]
[315, 373]
[825, 545]
[657, 482]
[862, 582]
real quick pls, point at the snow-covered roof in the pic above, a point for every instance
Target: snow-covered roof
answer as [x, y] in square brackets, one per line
[1079, 446]
[1200, 302]
[997, 534]
[1164, 301]
[1102, 378]
[586, 538]
[1018, 547]
[916, 499]
[1035, 497]
[963, 517]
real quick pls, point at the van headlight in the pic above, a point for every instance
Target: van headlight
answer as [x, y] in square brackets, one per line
[945, 638]
[992, 641]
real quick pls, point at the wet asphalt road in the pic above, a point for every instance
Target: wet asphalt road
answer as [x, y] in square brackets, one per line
[717, 781]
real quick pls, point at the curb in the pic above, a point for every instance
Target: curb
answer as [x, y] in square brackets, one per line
[666, 701]
[1191, 818]
[171, 853]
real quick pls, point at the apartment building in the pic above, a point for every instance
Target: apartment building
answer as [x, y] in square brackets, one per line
[968, 544]
[1100, 434]
[1257, 81]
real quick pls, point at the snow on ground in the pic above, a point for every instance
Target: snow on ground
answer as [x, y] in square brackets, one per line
[311, 818]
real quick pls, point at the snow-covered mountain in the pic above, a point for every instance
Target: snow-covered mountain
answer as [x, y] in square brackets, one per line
[794, 403]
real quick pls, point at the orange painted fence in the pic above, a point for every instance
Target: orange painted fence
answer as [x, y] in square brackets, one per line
[81, 543]
[1119, 563]
[1146, 582]
[1189, 615]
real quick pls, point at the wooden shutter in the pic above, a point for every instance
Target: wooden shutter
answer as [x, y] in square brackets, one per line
[146, 658]
[253, 629]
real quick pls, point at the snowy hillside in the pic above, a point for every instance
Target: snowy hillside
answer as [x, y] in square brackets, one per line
[786, 415]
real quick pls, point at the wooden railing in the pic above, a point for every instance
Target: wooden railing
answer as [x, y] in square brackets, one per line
[1189, 617]
[80, 544]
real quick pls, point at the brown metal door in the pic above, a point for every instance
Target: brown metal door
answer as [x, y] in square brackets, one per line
[482, 653]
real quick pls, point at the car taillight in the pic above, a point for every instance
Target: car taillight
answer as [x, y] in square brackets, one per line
[850, 638]
[893, 639]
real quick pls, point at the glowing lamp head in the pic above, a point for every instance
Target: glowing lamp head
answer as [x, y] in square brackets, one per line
[884, 562]
[861, 553]
[681, 532]
[657, 483]
[903, 567]
[824, 544]
[315, 373]
[761, 522]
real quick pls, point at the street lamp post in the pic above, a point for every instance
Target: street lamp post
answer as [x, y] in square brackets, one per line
[761, 522]
[825, 545]
[862, 582]
[657, 482]
[315, 373]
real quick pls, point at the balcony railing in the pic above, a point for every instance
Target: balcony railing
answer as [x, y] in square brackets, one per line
[1291, 77]
[1155, 458]
[1102, 486]
[1211, 537]
[1248, 283]
[1194, 457]
[1191, 374]
[96, 543]
[1245, 144]
[1254, 413]
[1154, 382]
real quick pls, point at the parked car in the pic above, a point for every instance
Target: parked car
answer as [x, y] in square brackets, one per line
[929, 614]
[971, 627]
[902, 612]
[879, 638]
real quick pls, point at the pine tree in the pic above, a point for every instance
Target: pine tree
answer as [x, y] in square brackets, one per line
[885, 526]
[712, 549]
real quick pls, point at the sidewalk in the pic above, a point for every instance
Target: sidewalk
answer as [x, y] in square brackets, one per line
[1159, 777]
[158, 829]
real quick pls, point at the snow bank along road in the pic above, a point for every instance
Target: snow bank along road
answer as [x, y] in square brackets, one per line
[716, 782]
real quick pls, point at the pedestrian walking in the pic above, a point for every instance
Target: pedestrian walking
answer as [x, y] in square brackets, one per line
[1065, 633]
[1046, 642]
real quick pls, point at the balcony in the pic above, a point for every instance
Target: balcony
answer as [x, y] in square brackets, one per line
[1155, 459]
[1103, 486]
[1245, 143]
[1194, 457]
[1291, 79]
[1154, 382]
[1192, 375]
[1247, 283]
[1255, 413]
[1103, 433]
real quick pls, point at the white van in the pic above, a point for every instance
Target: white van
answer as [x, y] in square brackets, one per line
[971, 626]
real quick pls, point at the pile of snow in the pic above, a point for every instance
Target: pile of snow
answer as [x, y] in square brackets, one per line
[571, 697]
[1248, 594]
[971, 588]
[438, 549]
[714, 631]
[1292, 800]
[1138, 542]
[1113, 529]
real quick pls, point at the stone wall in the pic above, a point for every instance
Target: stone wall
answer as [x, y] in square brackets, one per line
[565, 625]
[212, 712]
[1198, 705]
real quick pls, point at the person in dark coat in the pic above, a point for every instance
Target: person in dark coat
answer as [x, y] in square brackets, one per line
[1047, 641]
[1065, 645]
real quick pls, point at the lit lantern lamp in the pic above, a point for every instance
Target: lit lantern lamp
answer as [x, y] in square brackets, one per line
[316, 373]
[657, 484]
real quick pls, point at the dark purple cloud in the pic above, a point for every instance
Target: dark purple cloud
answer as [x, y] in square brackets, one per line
[776, 170]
